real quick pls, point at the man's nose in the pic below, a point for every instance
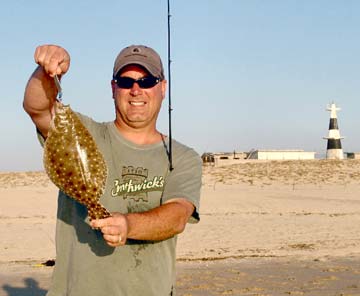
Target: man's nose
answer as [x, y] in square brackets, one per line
[135, 89]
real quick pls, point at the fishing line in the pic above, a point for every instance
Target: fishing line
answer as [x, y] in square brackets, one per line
[169, 88]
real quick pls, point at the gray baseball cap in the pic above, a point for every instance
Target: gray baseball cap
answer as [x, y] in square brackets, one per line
[140, 55]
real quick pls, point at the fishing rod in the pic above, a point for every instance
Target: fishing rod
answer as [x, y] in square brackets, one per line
[169, 87]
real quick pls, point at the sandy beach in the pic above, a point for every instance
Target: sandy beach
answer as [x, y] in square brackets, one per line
[267, 228]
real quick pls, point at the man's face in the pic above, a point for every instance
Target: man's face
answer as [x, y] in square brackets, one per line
[138, 107]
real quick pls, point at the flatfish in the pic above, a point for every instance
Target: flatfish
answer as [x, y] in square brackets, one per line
[73, 162]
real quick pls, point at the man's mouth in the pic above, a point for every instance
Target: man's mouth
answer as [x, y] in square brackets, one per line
[136, 104]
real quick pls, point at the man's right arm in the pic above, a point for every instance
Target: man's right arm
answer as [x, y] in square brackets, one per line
[40, 91]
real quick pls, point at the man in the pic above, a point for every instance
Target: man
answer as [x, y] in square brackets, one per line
[133, 251]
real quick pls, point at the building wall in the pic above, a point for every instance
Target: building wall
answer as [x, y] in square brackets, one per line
[282, 155]
[353, 155]
[226, 158]
[223, 159]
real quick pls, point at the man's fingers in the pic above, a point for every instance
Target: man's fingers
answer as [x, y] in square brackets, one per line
[111, 230]
[114, 229]
[100, 223]
[39, 54]
[54, 59]
[114, 240]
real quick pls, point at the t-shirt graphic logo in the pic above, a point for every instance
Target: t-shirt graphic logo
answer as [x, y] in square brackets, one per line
[135, 176]
[135, 184]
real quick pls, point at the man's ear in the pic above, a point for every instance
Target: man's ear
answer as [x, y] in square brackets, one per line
[163, 88]
[113, 88]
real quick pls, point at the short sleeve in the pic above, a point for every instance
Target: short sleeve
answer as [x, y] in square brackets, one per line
[40, 137]
[184, 181]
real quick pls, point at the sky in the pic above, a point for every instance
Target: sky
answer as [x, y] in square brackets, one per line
[245, 74]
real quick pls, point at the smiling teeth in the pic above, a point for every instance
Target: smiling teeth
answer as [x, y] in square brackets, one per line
[137, 103]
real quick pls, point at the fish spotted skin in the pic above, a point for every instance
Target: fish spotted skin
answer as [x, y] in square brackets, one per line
[73, 162]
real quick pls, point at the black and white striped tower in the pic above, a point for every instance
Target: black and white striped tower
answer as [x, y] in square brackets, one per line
[334, 149]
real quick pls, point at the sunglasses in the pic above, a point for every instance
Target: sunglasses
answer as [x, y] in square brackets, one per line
[145, 82]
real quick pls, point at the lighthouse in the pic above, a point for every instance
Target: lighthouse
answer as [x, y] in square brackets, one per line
[334, 149]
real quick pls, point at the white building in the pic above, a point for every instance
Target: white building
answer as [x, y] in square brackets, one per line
[223, 158]
[353, 155]
[281, 155]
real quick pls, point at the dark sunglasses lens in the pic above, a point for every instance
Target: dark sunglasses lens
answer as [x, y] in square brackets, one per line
[148, 82]
[125, 82]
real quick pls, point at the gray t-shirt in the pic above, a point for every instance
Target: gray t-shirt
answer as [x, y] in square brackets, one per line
[138, 180]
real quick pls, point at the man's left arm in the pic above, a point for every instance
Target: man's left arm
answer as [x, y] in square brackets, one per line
[156, 224]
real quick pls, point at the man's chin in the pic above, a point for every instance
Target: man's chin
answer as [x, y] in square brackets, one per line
[138, 123]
